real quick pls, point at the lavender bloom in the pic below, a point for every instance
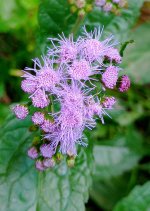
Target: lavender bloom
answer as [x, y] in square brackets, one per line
[38, 118]
[110, 77]
[29, 86]
[113, 55]
[107, 7]
[47, 126]
[94, 108]
[66, 83]
[40, 99]
[80, 3]
[92, 49]
[124, 83]
[20, 111]
[39, 165]
[46, 151]
[100, 3]
[49, 163]
[45, 76]
[80, 70]
[109, 102]
[66, 51]
[122, 3]
[33, 153]
[116, 1]
[44, 80]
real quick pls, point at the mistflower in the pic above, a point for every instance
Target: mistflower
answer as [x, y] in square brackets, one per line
[66, 51]
[110, 77]
[49, 162]
[43, 79]
[46, 151]
[113, 55]
[80, 3]
[73, 95]
[94, 108]
[116, 1]
[47, 126]
[70, 119]
[80, 70]
[33, 153]
[100, 2]
[39, 165]
[122, 3]
[93, 49]
[20, 111]
[107, 7]
[40, 99]
[66, 94]
[124, 84]
[29, 86]
[38, 118]
[48, 79]
[108, 102]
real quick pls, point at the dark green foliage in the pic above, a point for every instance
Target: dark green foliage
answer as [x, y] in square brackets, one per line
[23, 188]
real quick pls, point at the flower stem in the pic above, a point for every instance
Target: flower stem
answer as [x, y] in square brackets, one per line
[77, 24]
[52, 104]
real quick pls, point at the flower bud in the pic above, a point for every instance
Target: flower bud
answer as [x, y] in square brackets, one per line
[73, 9]
[59, 157]
[81, 13]
[71, 162]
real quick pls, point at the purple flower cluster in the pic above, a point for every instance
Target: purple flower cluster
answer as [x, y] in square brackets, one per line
[65, 89]
[110, 5]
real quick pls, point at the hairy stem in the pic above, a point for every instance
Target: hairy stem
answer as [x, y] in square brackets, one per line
[77, 24]
[52, 104]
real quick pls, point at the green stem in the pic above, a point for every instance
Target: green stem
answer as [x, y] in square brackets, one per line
[77, 25]
[52, 104]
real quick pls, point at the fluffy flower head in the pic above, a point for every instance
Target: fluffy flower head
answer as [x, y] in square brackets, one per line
[109, 102]
[40, 99]
[33, 153]
[110, 77]
[29, 86]
[46, 151]
[80, 70]
[124, 84]
[66, 94]
[20, 111]
[38, 118]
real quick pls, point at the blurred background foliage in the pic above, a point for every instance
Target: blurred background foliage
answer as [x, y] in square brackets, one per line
[121, 147]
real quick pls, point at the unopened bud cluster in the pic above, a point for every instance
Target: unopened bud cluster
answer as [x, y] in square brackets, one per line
[68, 91]
[113, 6]
[81, 7]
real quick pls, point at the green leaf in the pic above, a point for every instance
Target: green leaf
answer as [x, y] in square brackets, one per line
[113, 160]
[17, 14]
[116, 168]
[121, 154]
[23, 188]
[4, 112]
[2, 89]
[136, 60]
[54, 18]
[106, 193]
[138, 199]
[124, 46]
[123, 117]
